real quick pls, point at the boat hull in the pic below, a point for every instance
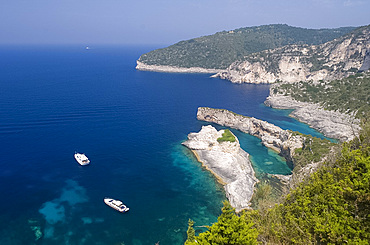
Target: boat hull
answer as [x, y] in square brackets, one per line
[82, 159]
[116, 204]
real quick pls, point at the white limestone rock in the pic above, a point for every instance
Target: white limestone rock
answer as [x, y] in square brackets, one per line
[335, 59]
[228, 162]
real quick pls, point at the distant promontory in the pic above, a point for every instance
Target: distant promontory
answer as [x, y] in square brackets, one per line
[220, 50]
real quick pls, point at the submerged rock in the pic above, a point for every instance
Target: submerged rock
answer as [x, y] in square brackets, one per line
[228, 162]
[36, 228]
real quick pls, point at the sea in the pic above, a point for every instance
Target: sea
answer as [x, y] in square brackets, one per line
[58, 100]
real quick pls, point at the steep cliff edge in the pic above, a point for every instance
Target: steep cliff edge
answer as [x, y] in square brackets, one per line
[282, 141]
[227, 161]
[332, 60]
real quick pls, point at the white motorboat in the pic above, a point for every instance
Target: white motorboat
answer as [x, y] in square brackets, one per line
[116, 204]
[82, 159]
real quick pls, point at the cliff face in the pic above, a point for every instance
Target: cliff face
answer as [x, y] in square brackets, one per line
[366, 65]
[228, 162]
[272, 136]
[332, 60]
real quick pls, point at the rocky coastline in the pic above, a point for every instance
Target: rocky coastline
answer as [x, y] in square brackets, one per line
[332, 124]
[228, 163]
[283, 141]
[173, 69]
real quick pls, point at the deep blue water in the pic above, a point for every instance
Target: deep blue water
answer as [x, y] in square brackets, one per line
[58, 100]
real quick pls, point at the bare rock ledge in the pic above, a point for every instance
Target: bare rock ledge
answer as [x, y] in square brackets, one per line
[228, 162]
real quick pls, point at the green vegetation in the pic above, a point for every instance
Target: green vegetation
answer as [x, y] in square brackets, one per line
[229, 229]
[313, 150]
[226, 136]
[348, 95]
[332, 206]
[190, 233]
[223, 48]
[263, 196]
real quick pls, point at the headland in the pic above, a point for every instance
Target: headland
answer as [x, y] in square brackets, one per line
[174, 69]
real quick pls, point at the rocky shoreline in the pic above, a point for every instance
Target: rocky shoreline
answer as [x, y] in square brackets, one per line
[332, 124]
[283, 141]
[173, 69]
[227, 162]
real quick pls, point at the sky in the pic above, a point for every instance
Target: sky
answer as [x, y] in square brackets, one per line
[162, 22]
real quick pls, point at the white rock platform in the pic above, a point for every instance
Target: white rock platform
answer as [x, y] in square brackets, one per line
[228, 162]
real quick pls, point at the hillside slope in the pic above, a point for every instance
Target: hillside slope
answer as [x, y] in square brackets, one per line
[218, 51]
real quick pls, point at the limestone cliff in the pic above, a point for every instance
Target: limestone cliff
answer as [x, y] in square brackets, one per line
[332, 60]
[228, 162]
[283, 141]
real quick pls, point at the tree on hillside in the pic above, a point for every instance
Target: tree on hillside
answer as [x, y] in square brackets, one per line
[229, 229]
[190, 233]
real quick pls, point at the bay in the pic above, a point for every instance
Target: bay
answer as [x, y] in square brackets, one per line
[56, 100]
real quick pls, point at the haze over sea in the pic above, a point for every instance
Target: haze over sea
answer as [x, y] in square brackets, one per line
[60, 99]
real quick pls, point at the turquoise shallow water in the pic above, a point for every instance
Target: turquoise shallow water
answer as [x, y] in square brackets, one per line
[58, 100]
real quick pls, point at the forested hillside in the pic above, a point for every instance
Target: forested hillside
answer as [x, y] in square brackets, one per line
[223, 48]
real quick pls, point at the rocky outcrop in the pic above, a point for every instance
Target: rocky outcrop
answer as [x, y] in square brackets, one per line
[332, 60]
[173, 69]
[283, 141]
[332, 124]
[366, 65]
[228, 162]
